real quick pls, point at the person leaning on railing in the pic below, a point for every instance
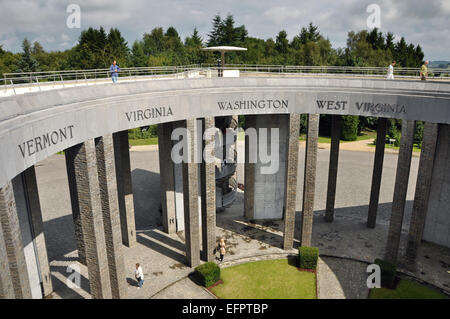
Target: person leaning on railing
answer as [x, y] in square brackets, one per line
[424, 71]
[114, 70]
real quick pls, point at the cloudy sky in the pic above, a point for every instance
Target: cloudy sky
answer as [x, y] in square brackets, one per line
[424, 22]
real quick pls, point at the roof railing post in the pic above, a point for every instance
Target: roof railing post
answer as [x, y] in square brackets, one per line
[12, 85]
[39, 85]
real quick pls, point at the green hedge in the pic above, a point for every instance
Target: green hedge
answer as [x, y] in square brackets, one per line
[308, 257]
[207, 274]
[388, 272]
[349, 128]
[137, 133]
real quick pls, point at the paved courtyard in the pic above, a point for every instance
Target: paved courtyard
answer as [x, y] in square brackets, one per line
[162, 256]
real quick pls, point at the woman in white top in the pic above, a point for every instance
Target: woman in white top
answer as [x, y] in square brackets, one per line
[390, 74]
[139, 274]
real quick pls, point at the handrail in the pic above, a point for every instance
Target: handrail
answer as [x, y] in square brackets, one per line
[63, 77]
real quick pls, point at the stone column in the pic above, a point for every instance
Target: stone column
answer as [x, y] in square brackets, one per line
[309, 179]
[269, 171]
[291, 181]
[377, 172]
[167, 178]
[6, 281]
[208, 192]
[249, 172]
[190, 199]
[37, 226]
[336, 125]
[400, 190]
[83, 178]
[111, 218]
[124, 188]
[423, 186]
[14, 277]
[74, 201]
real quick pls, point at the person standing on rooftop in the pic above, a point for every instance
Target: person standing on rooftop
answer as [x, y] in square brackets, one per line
[390, 74]
[424, 71]
[114, 70]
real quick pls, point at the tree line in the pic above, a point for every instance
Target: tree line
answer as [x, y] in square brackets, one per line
[96, 48]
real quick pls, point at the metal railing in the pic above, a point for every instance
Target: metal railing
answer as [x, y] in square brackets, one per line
[330, 70]
[80, 75]
[13, 81]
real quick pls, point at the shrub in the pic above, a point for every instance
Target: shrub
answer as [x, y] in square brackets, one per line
[138, 133]
[418, 134]
[349, 128]
[324, 124]
[388, 272]
[308, 257]
[207, 274]
[393, 131]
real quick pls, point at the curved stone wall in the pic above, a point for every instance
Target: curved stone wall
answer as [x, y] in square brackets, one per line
[37, 125]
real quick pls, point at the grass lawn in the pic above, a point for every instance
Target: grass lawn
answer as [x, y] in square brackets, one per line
[324, 139]
[268, 279]
[415, 148]
[144, 141]
[406, 289]
[362, 137]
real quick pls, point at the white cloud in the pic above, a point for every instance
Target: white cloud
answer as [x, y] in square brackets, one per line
[422, 22]
[281, 14]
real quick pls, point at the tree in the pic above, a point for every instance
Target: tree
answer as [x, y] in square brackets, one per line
[241, 34]
[229, 32]
[117, 47]
[37, 48]
[27, 62]
[282, 43]
[195, 40]
[90, 52]
[376, 39]
[310, 33]
[138, 57]
[193, 45]
[389, 44]
[349, 127]
[153, 41]
[173, 45]
[216, 35]
[401, 52]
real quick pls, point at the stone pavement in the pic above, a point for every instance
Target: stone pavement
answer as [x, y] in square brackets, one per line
[341, 279]
[162, 256]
